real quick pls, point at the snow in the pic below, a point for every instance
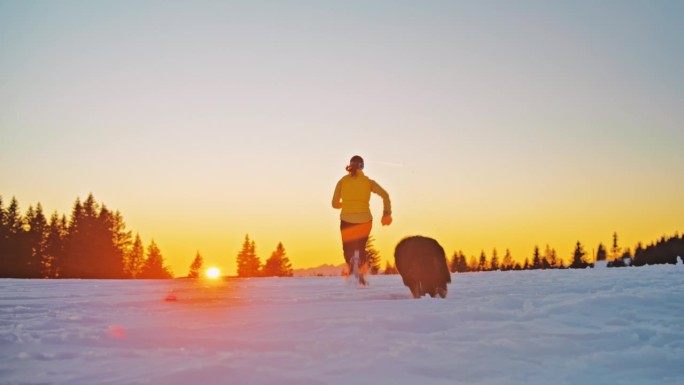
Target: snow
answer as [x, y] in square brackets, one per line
[608, 326]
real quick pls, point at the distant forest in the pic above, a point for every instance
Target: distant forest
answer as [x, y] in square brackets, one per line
[664, 251]
[94, 243]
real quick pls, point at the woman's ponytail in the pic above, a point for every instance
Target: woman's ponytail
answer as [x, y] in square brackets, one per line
[355, 164]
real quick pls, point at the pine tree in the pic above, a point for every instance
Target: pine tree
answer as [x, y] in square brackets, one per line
[462, 265]
[70, 266]
[3, 231]
[550, 259]
[24, 252]
[86, 255]
[278, 265]
[271, 267]
[601, 253]
[90, 207]
[121, 241]
[390, 269]
[11, 256]
[507, 263]
[615, 251]
[196, 266]
[536, 259]
[93, 248]
[248, 264]
[153, 267]
[458, 263]
[54, 248]
[13, 220]
[472, 263]
[453, 265]
[495, 260]
[372, 256]
[135, 258]
[482, 266]
[578, 257]
[3, 238]
[36, 242]
[106, 259]
[639, 255]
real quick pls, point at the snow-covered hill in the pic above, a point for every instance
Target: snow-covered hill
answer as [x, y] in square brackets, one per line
[609, 326]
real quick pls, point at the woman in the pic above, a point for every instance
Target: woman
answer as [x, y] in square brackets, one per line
[352, 195]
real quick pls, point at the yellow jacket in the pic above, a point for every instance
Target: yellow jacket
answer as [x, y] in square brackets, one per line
[352, 195]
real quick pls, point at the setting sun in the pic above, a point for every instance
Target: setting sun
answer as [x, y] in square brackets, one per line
[213, 273]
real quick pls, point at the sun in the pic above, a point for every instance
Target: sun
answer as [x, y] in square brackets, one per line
[213, 272]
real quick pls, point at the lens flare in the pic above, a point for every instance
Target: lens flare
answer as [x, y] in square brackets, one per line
[213, 273]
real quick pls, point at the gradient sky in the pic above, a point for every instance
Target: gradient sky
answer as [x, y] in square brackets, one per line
[491, 124]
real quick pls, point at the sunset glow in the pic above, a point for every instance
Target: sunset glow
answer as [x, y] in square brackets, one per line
[213, 273]
[503, 125]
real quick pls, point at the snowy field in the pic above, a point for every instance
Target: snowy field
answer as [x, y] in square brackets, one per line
[609, 326]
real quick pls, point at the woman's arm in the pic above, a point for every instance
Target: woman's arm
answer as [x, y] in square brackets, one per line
[386, 204]
[337, 196]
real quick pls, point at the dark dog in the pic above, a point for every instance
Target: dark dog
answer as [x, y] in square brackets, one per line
[422, 264]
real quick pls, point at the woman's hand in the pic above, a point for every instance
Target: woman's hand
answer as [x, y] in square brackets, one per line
[386, 220]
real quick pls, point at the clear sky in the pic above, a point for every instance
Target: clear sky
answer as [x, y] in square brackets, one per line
[502, 124]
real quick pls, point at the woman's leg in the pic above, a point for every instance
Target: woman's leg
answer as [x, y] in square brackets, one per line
[347, 242]
[354, 238]
[364, 231]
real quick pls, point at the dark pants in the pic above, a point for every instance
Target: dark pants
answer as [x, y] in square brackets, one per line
[354, 237]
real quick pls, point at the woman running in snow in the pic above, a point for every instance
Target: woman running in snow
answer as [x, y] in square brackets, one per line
[352, 195]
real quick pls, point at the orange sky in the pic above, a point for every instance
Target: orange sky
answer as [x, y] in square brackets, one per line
[508, 126]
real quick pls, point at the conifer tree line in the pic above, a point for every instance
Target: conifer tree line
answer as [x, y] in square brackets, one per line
[278, 264]
[664, 251]
[249, 265]
[92, 243]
